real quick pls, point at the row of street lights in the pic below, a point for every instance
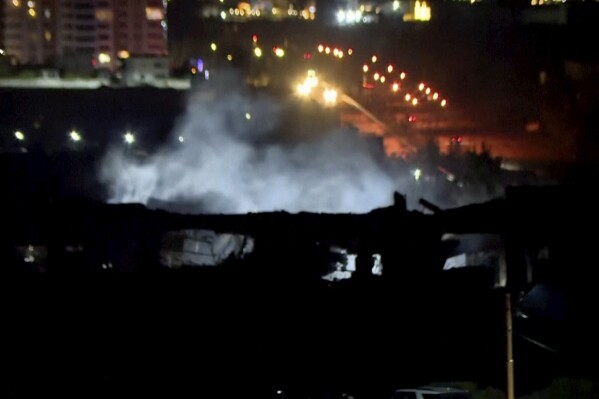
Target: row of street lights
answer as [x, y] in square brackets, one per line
[75, 136]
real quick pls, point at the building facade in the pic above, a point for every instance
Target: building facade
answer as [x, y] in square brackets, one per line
[95, 33]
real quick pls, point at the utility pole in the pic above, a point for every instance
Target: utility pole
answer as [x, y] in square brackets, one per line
[510, 348]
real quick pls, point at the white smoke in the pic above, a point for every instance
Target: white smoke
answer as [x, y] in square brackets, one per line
[230, 162]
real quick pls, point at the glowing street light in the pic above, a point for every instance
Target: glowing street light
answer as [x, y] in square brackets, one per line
[417, 174]
[75, 136]
[229, 57]
[395, 87]
[443, 103]
[350, 51]
[327, 50]
[421, 86]
[414, 101]
[330, 96]
[19, 135]
[181, 139]
[213, 46]
[435, 96]
[335, 52]
[408, 97]
[340, 54]
[428, 91]
[376, 76]
[258, 52]
[373, 59]
[390, 68]
[320, 48]
[248, 116]
[129, 138]
[402, 75]
[383, 78]
[365, 68]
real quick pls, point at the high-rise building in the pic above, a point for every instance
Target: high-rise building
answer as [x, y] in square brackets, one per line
[96, 32]
[29, 30]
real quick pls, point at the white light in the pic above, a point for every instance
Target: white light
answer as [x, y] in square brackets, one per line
[330, 96]
[181, 139]
[129, 138]
[341, 16]
[75, 136]
[402, 75]
[2, 52]
[248, 116]
[229, 57]
[258, 52]
[19, 135]
[443, 103]
[104, 58]
[395, 5]
[213, 46]
[30, 4]
[417, 174]
[223, 15]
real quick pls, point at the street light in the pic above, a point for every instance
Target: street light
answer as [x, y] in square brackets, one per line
[213, 46]
[402, 75]
[19, 135]
[129, 138]
[75, 136]
[365, 68]
[443, 103]
[258, 52]
[373, 59]
[390, 68]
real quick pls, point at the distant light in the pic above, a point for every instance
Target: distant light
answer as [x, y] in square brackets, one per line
[104, 58]
[383, 78]
[194, 70]
[229, 57]
[16, 3]
[411, 118]
[320, 48]
[75, 136]
[390, 68]
[435, 96]
[350, 51]
[327, 50]
[335, 52]
[408, 97]
[443, 103]
[255, 38]
[376, 76]
[402, 75]
[207, 74]
[279, 52]
[414, 101]
[330, 96]
[417, 174]
[395, 5]
[303, 89]
[19, 135]
[340, 54]
[395, 87]
[365, 68]
[373, 59]
[223, 15]
[421, 86]
[312, 9]
[248, 116]
[213, 46]
[129, 138]
[2, 52]
[181, 139]
[258, 52]
[428, 90]
[30, 4]
[200, 65]
[123, 54]
[32, 13]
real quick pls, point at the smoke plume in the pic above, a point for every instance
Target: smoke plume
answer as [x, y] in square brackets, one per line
[231, 152]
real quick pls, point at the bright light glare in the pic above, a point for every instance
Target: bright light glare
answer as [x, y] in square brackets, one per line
[365, 68]
[181, 139]
[320, 48]
[258, 52]
[350, 51]
[435, 96]
[104, 58]
[330, 96]
[402, 75]
[129, 138]
[417, 174]
[376, 76]
[229, 57]
[19, 135]
[395, 87]
[373, 59]
[213, 46]
[414, 101]
[303, 89]
[383, 78]
[335, 52]
[327, 50]
[248, 116]
[390, 68]
[279, 52]
[223, 15]
[408, 97]
[421, 86]
[443, 103]
[75, 136]
[428, 90]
